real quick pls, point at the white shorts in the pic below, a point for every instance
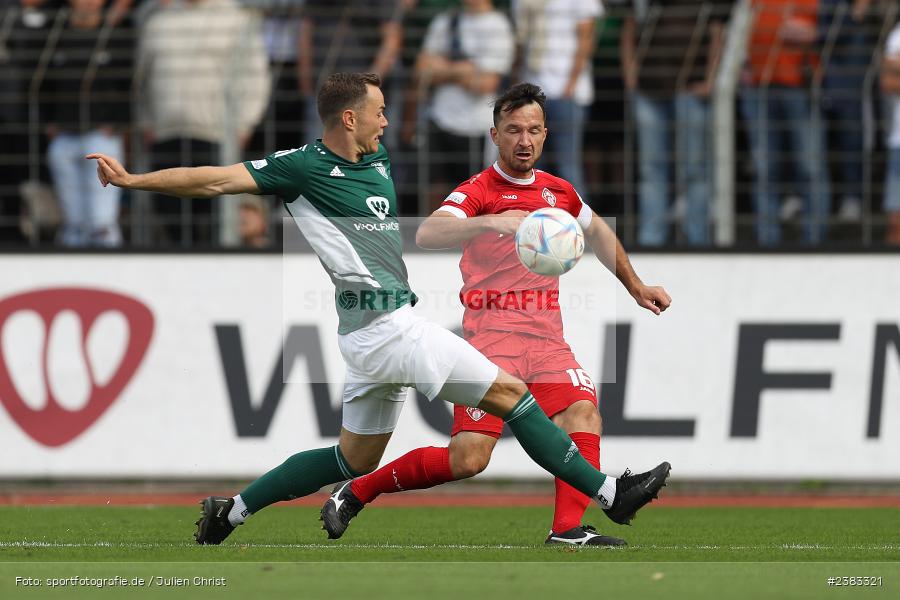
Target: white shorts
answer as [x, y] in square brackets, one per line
[401, 350]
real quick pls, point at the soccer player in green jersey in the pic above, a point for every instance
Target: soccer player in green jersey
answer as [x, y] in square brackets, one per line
[339, 192]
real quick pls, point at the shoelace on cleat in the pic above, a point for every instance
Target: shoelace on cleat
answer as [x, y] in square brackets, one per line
[629, 479]
[351, 507]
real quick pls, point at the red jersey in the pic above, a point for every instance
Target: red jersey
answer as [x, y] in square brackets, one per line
[499, 293]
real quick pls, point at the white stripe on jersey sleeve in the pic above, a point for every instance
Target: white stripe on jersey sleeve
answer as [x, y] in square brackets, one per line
[585, 214]
[457, 212]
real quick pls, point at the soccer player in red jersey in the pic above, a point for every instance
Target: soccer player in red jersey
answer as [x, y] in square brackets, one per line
[513, 317]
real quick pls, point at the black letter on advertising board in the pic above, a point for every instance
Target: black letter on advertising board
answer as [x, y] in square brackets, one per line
[617, 342]
[750, 380]
[301, 341]
[884, 334]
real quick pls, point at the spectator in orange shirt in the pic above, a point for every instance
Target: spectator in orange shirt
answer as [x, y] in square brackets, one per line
[784, 127]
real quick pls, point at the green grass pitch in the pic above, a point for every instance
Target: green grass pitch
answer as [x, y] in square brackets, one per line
[450, 552]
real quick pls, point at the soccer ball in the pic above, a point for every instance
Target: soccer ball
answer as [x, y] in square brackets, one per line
[549, 241]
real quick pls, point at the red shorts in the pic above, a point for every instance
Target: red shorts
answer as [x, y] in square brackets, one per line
[547, 366]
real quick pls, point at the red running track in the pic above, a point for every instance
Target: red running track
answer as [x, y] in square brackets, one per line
[478, 499]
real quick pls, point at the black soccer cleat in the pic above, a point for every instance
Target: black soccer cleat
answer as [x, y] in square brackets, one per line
[213, 526]
[339, 509]
[634, 491]
[584, 535]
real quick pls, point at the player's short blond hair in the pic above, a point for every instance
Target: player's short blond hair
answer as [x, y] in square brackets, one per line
[343, 91]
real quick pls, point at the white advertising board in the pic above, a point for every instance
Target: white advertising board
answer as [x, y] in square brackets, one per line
[765, 367]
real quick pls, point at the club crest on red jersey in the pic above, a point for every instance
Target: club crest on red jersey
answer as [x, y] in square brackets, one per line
[548, 196]
[476, 414]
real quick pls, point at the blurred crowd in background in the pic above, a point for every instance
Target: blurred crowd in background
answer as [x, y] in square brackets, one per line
[750, 123]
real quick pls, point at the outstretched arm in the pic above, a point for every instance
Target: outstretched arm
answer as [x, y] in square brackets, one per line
[186, 182]
[609, 250]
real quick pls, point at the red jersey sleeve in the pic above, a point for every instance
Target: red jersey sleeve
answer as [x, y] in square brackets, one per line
[467, 200]
[577, 207]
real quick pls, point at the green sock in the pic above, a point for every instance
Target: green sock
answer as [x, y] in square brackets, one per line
[300, 475]
[551, 448]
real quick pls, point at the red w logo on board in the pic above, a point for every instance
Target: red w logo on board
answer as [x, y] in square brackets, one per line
[53, 424]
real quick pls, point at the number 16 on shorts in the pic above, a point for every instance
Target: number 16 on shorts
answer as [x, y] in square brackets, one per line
[581, 379]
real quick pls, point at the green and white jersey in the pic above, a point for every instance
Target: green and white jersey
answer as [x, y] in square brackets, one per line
[347, 211]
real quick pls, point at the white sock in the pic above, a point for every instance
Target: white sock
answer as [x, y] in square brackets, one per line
[607, 493]
[239, 512]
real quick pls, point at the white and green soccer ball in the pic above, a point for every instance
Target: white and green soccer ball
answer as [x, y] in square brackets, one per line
[549, 241]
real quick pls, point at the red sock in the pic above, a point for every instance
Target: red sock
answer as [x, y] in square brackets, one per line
[570, 503]
[417, 470]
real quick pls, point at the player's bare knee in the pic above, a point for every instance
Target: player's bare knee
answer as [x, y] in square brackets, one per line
[588, 414]
[508, 385]
[363, 452]
[580, 416]
[511, 391]
[503, 394]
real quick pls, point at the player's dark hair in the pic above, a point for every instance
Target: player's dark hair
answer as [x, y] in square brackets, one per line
[343, 91]
[518, 96]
